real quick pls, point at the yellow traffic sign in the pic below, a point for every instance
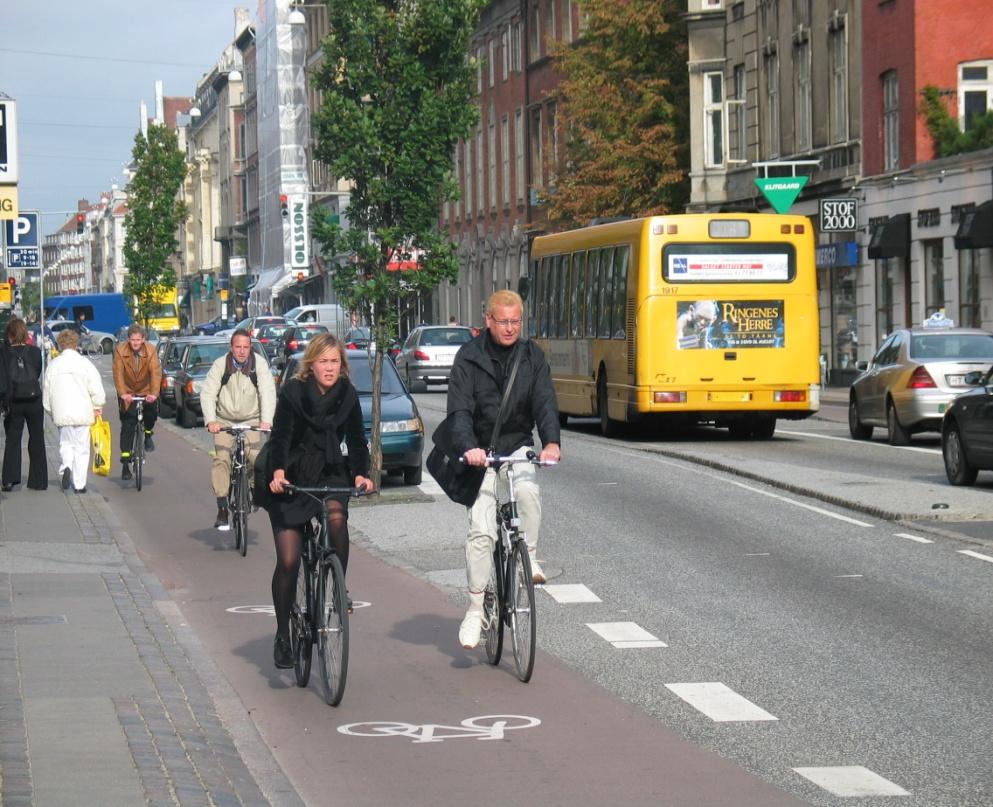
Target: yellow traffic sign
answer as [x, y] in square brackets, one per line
[8, 203]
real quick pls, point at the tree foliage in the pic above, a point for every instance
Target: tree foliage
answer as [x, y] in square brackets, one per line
[398, 92]
[946, 136]
[154, 214]
[624, 112]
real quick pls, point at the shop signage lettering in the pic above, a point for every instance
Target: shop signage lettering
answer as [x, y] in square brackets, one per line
[839, 215]
[298, 232]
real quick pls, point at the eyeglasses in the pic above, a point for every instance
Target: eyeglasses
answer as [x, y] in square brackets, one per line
[507, 323]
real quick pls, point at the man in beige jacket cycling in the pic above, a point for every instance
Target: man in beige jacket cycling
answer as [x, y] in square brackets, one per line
[238, 389]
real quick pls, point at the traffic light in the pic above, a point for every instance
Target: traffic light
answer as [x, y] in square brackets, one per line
[80, 221]
[284, 206]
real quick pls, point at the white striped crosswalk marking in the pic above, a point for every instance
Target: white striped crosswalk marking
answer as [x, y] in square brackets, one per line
[625, 635]
[719, 702]
[851, 781]
[569, 593]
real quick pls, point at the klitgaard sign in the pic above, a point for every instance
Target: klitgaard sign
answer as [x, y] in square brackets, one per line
[299, 250]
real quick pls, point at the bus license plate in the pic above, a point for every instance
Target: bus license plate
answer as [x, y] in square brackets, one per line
[729, 397]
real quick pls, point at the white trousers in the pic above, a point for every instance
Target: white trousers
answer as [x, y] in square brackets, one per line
[74, 453]
[483, 521]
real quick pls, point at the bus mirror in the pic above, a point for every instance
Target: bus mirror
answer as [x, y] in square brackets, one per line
[524, 287]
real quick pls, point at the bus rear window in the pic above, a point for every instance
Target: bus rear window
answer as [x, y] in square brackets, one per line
[728, 263]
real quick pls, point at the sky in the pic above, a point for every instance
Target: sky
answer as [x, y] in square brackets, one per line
[78, 72]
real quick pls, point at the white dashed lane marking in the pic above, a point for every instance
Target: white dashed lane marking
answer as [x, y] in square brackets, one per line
[625, 635]
[851, 781]
[977, 555]
[719, 702]
[568, 593]
[910, 537]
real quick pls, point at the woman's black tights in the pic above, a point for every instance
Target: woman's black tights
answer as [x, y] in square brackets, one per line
[289, 541]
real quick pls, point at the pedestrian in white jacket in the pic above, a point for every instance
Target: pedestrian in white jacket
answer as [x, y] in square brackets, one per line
[73, 395]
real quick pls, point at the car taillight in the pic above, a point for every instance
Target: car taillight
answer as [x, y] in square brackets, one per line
[264, 340]
[921, 379]
[189, 387]
[420, 355]
[293, 344]
[352, 346]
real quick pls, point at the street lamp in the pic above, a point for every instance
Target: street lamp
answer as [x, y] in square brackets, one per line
[297, 17]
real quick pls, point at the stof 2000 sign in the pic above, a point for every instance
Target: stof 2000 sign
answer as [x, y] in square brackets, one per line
[839, 215]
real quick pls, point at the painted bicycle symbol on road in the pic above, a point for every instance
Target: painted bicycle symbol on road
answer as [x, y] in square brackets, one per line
[484, 727]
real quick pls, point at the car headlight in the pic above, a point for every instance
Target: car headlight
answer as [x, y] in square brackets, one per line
[196, 386]
[391, 426]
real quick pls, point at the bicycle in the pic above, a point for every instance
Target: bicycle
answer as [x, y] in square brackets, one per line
[240, 487]
[138, 446]
[509, 594]
[320, 611]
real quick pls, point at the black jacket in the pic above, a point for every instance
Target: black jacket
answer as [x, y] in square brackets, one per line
[474, 395]
[307, 431]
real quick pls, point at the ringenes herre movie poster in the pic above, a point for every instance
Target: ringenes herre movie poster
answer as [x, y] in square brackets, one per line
[719, 324]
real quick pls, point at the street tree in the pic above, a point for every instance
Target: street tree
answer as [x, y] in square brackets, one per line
[397, 95]
[948, 139]
[623, 113]
[154, 215]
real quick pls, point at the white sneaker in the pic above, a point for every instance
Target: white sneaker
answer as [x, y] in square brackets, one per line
[470, 629]
[537, 575]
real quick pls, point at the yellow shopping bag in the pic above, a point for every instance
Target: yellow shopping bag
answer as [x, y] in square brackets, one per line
[100, 443]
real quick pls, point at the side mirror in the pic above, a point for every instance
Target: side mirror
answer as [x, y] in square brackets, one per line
[862, 366]
[524, 287]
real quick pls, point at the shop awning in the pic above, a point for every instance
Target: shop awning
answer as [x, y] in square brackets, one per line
[891, 239]
[283, 283]
[976, 228]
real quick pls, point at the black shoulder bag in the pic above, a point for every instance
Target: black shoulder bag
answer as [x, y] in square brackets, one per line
[461, 482]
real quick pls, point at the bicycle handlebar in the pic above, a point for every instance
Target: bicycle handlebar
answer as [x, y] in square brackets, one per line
[243, 427]
[328, 491]
[530, 457]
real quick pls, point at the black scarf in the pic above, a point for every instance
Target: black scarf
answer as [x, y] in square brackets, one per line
[319, 450]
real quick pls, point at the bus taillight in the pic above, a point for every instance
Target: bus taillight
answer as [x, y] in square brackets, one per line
[790, 396]
[670, 397]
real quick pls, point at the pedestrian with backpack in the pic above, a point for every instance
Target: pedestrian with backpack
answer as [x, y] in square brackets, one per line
[23, 365]
[239, 388]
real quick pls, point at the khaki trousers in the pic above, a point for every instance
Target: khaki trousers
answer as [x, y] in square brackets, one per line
[483, 521]
[220, 469]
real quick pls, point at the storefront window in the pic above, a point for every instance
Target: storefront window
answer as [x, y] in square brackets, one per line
[846, 334]
[934, 276]
[969, 312]
[886, 283]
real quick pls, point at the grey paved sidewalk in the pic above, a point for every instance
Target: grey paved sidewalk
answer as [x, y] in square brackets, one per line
[106, 697]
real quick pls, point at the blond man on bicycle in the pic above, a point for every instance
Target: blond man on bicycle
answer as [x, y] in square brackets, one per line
[239, 388]
[477, 384]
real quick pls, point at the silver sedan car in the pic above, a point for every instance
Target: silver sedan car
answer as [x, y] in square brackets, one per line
[913, 378]
[428, 353]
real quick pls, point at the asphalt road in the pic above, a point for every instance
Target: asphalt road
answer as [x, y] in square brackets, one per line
[767, 647]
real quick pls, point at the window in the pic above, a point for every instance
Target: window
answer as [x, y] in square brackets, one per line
[886, 282]
[801, 12]
[891, 121]
[605, 294]
[479, 72]
[492, 159]
[592, 291]
[550, 18]
[553, 138]
[736, 113]
[838, 99]
[772, 99]
[505, 52]
[479, 169]
[505, 160]
[534, 28]
[516, 60]
[520, 179]
[713, 116]
[804, 101]
[567, 20]
[491, 61]
[934, 276]
[537, 152]
[975, 92]
[969, 311]
[618, 317]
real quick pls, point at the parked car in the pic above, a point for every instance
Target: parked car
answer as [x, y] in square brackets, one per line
[428, 353]
[913, 378]
[197, 358]
[96, 340]
[270, 338]
[330, 315]
[295, 339]
[358, 339]
[967, 431]
[170, 352]
[215, 325]
[401, 426]
[253, 325]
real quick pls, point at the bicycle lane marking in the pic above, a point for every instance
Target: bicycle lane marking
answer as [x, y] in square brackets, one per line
[482, 727]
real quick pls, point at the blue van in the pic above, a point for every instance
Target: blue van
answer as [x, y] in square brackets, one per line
[100, 312]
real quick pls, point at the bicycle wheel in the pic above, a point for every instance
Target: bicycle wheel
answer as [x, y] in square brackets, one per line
[520, 597]
[493, 610]
[301, 627]
[332, 629]
[138, 455]
[239, 512]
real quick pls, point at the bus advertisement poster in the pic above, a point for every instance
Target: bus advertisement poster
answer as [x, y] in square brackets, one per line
[722, 324]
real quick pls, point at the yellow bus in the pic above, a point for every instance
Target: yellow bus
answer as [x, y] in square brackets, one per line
[707, 318]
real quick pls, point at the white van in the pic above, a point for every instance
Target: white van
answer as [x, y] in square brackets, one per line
[334, 317]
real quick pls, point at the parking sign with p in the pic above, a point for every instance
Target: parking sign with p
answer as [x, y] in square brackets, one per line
[21, 239]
